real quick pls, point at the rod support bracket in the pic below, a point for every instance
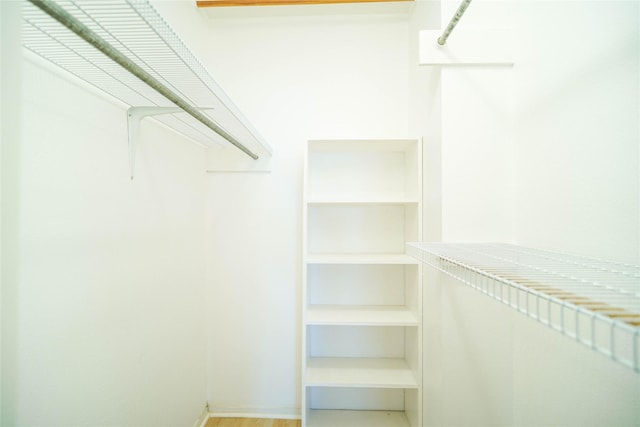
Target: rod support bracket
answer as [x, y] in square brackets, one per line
[134, 116]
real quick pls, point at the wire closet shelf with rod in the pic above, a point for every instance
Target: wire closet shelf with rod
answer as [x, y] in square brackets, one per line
[126, 50]
[594, 302]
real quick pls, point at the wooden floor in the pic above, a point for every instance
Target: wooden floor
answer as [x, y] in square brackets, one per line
[251, 422]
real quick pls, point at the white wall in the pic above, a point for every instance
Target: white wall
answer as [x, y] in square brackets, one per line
[577, 104]
[103, 277]
[296, 77]
[545, 153]
[478, 185]
[425, 117]
[567, 173]
[8, 53]
[487, 364]
[112, 321]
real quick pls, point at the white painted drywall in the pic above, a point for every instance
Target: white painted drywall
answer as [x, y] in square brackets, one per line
[103, 276]
[477, 155]
[546, 153]
[469, 145]
[577, 103]
[327, 78]
[506, 369]
[8, 52]
[425, 117]
[296, 77]
[299, 76]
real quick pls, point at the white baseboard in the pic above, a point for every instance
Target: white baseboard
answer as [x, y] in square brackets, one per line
[203, 418]
[283, 414]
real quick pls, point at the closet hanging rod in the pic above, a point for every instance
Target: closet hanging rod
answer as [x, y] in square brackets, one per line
[454, 21]
[82, 31]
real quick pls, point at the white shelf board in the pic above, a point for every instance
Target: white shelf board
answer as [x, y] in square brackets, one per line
[359, 372]
[361, 315]
[338, 202]
[361, 259]
[361, 145]
[332, 418]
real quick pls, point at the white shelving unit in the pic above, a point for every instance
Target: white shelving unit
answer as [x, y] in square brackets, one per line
[361, 292]
[594, 302]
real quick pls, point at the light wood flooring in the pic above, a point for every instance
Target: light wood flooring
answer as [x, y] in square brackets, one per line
[251, 422]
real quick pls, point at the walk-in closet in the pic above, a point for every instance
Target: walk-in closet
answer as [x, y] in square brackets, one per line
[352, 213]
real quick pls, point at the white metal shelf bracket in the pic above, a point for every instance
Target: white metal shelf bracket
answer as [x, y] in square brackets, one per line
[134, 116]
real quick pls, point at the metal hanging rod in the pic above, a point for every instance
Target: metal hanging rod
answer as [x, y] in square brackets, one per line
[454, 21]
[64, 18]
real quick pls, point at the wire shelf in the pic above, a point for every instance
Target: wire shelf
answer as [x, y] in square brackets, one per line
[138, 31]
[595, 302]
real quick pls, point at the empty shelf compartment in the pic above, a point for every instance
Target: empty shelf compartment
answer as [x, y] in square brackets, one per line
[361, 315]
